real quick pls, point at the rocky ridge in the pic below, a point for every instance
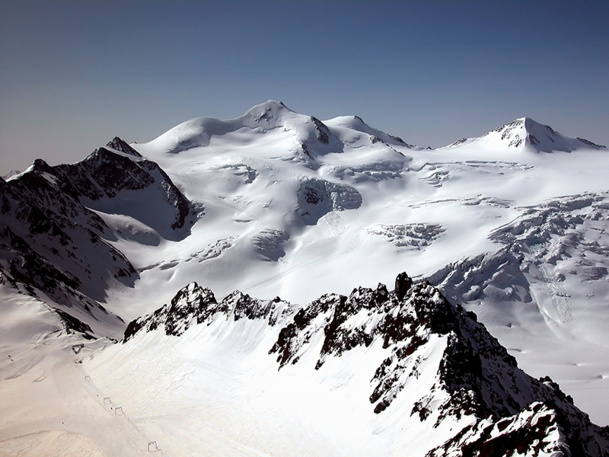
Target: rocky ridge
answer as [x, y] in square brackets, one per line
[54, 242]
[434, 350]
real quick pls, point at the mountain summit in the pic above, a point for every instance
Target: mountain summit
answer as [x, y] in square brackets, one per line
[525, 134]
[198, 132]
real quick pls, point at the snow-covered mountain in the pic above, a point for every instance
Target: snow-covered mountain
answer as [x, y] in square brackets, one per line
[280, 204]
[55, 244]
[526, 134]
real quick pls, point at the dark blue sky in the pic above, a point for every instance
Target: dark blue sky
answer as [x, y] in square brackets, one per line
[75, 73]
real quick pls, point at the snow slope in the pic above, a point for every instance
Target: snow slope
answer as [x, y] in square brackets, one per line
[512, 225]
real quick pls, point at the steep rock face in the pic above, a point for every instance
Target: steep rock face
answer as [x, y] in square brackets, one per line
[192, 304]
[434, 351]
[120, 145]
[39, 216]
[53, 242]
[53, 245]
[538, 430]
[106, 173]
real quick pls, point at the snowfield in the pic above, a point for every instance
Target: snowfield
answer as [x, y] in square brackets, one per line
[513, 225]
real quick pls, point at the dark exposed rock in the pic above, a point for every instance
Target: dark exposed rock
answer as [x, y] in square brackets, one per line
[323, 132]
[402, 285]
[26, 269]
[75, 325]
[120, 145]
[539, 137]
[195, 305]
[590, 143]
[48, 214]
[45, 226]
[104, 174]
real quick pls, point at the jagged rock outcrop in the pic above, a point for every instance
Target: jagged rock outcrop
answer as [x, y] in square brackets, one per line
[42, 220]
[195, 305]
[434, 351]
[54, 242]
[54, 245]
[538, 430]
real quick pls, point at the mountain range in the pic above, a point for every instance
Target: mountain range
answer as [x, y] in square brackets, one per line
[492, 343]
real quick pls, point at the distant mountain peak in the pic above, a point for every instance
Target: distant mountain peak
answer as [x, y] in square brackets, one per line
[10, 174]
[268, 108]
[357, 124]
[120, 145]
[268, 114]
[526, 134]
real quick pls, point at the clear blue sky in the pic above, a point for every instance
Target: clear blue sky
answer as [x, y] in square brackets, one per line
[73, 73]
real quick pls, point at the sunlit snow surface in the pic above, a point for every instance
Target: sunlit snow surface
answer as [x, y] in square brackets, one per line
[293, 207]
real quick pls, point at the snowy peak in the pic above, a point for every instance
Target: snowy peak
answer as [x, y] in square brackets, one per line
[121, 175]
[190, 134]
[54, 246]
[314, 137]
[310, 134]
[62, 222]
[120, 145]
[525, 133]
[274, 114]
[346, 127]
[10, 174]
[268, 113]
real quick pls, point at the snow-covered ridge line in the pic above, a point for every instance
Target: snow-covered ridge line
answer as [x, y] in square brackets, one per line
[475, 381]
[521, 134]
[313, 135]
